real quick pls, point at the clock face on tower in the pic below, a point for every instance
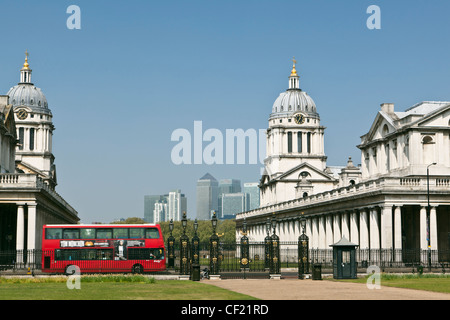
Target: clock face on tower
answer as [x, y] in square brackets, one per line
[22, 114]
[299, 118]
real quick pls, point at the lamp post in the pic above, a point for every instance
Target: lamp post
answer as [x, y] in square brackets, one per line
[245, 256]
[171, 246]
[303, 250]
[428, 216]
[184, 248]
[214, 248]
[267, 244]
[195, 245]
[275, 262]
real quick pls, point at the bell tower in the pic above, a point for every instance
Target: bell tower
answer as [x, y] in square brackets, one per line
[34, 128]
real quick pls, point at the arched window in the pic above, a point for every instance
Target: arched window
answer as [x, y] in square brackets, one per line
[428, 149]
[305, 194]
[427, 140]
[304, 175]
[385, 130]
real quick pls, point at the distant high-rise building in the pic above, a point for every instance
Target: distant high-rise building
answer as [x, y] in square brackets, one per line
[159, 208]
[160, 211]
[251, 190]
[207, 193]
[232, 203]
[227, 186]
[177, 204]
[149, 206]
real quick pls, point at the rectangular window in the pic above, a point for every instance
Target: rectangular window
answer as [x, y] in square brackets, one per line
[103, 233]
[87, 233]
[32, 139]
[136, 233]
[151, 233]
[53, 233]
[145, 254]
[83, 254]
[308, 142]
[299, 142]
[71, 233]
[289, 142]
[120, 233]
[21, 140]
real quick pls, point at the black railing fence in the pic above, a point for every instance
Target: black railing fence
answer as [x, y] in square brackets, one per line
[230, 257]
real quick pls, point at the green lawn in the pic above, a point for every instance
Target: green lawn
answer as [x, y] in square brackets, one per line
[113, 288]
[428, 282]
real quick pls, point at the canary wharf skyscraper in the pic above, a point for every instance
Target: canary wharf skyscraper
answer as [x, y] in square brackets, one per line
[207, 193]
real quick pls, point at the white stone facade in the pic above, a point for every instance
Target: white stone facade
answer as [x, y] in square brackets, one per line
[383, 204]
[28, 199]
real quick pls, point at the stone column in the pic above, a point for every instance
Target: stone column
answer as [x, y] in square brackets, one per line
[354, 234]
[329, 229]
[398, 233]
[345, 230]
[315, 232]
[386, 227]
[374, 234]
[322, 239]
[31, 243]
[433, 229]
[363, 229]
[423, 228]
[20, 236]
[336, 227]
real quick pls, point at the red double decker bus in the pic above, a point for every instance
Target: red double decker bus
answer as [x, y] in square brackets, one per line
[136, 248]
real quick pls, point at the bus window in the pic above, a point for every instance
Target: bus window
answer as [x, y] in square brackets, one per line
[104, 233]
[53, 233]
[71, 233]
[136, 233]
[145, 254]
[120, 233]
[151, 233]
[87, 233]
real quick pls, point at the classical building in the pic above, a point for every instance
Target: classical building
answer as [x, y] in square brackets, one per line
[28, 199]
[382, 204]
[295, 165]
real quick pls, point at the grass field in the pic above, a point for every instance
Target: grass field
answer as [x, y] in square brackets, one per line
[428, 282]
[112, 288]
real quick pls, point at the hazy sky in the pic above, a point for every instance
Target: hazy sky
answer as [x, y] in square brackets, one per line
[138, 70]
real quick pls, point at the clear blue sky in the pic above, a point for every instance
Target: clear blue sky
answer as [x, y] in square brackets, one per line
[139, 69]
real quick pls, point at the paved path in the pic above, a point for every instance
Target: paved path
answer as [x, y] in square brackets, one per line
[290, 289]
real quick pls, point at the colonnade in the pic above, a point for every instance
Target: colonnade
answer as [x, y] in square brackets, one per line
[374, 227]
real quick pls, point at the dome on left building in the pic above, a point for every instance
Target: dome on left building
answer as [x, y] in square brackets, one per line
[26, 94]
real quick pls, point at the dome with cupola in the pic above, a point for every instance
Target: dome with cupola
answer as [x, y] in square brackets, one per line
[294, 99]
[26, 94]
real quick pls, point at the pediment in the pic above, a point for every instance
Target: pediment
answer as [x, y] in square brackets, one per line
[438, 118]
[305, 170]
[382, 126]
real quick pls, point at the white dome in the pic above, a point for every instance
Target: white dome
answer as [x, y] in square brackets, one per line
[26, 94]
[294, 100]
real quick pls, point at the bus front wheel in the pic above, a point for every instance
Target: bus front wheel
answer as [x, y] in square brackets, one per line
[137, 269]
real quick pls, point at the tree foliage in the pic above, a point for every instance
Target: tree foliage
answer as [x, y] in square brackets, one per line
[132, 220]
